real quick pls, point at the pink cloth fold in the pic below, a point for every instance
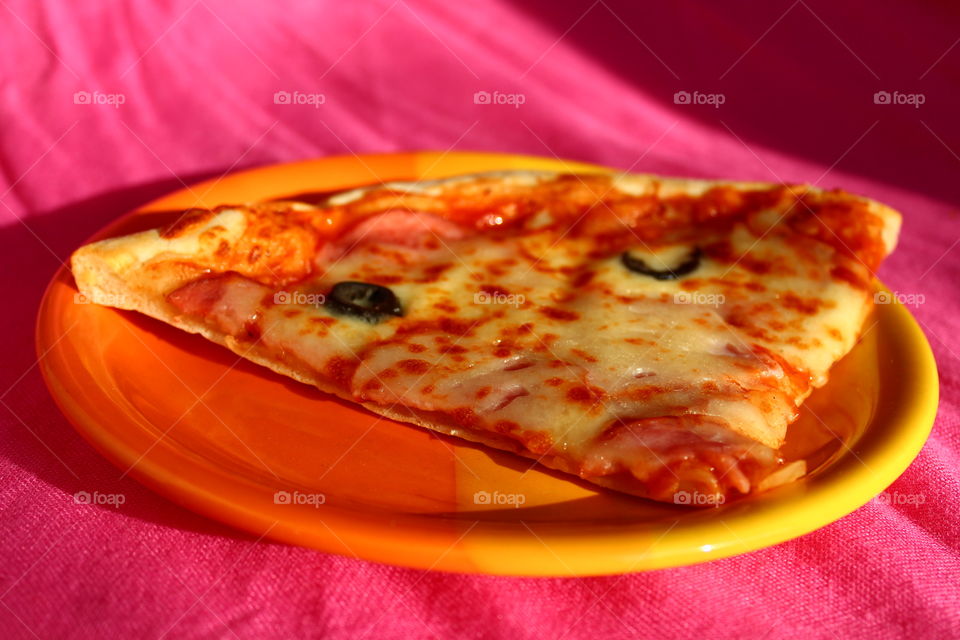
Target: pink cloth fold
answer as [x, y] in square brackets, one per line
[107, 105]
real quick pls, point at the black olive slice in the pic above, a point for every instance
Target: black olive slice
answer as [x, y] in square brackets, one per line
[369, 302]
[689, 265]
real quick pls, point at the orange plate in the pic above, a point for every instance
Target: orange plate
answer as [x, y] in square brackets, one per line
[222, 437]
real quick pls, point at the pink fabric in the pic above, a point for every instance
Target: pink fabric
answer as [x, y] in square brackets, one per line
[597, 83]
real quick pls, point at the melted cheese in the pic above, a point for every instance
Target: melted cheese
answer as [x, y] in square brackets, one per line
[527, 341]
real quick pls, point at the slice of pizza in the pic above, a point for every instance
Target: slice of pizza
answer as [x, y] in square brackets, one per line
[647, 334]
